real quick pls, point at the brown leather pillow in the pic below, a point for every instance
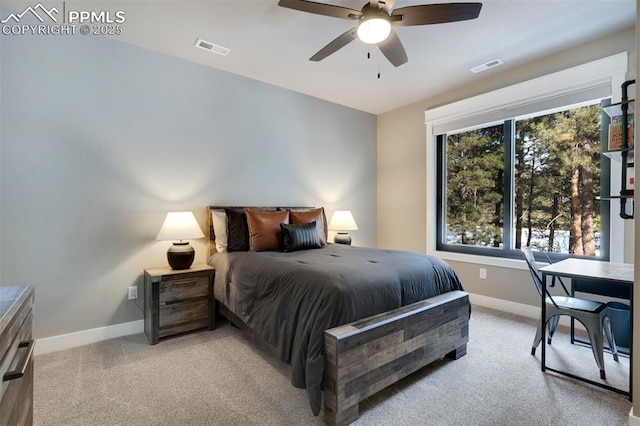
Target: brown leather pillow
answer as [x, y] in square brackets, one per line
[264, 229]
[308, 216]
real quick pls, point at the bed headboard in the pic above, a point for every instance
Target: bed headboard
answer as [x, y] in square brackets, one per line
[212, 239]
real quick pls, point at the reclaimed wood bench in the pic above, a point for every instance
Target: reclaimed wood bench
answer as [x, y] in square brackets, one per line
[366, 356]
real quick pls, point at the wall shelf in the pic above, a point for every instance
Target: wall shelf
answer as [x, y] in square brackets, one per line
[622, 142]
[615, 110]
[616, 154]
[615, 197]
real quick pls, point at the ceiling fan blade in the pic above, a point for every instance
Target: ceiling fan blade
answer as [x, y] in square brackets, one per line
[435, 13]
[321, 9]
[337, 44]
[393, 50]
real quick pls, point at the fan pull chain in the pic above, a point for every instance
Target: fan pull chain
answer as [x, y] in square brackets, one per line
[369, 57]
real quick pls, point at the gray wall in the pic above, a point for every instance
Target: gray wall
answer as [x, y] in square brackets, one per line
[100, 139]
[402, 174]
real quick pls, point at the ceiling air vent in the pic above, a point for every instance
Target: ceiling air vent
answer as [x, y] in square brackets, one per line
[212, 47]
[486, 66]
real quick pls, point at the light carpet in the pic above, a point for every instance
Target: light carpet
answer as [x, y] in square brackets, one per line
[221, 377]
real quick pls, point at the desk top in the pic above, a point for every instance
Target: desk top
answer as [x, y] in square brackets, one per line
[585, 268]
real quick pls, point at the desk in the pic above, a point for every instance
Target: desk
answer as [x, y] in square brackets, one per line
[615, 274]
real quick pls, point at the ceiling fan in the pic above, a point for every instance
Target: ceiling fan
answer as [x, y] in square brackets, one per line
[375, 21]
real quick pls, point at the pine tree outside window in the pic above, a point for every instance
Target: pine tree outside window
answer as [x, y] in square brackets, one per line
[527, 181]
[556, 184]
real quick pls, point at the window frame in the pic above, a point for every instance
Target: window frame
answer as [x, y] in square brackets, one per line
[609, 73]
[509, 141]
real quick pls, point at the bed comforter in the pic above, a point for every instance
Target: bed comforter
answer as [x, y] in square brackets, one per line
[290, 299]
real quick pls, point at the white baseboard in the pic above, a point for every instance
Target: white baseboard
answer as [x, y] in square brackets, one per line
[505, 306]
[514, 308]
[633, 420]
[85, 337]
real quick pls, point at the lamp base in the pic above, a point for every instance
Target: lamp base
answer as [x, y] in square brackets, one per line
[342, 238]
[180, 255]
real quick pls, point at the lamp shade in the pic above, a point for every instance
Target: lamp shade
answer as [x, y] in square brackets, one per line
[180, 226]
[342, 221]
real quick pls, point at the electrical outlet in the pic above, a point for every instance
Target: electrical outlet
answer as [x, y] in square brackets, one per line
[483, 274]
[133, 292]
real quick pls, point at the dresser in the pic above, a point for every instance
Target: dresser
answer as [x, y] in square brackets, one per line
[176, 301]
[16, 355]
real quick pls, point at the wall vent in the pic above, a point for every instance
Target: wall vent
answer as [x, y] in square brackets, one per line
[486, 66]
[212, 47]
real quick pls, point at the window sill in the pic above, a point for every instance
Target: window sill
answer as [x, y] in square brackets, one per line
[482, 260]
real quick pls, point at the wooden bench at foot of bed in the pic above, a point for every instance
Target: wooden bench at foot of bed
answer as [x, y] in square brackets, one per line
[366, 356]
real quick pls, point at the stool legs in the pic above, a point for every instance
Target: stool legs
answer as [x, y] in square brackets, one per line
[595, 326]
[606, 325]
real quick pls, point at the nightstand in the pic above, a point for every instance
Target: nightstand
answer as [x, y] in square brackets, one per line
[176, 301]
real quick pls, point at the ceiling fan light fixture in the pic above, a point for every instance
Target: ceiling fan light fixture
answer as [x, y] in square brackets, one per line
[374, 30]
[375, 19]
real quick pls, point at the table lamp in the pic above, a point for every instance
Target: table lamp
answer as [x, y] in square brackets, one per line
[180, 226]
[342, 221]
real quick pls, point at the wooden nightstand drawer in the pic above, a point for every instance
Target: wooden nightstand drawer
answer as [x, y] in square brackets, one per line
[188, 288]
[180, 317]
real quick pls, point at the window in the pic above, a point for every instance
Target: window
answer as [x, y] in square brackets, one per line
[557, 182]
[532, 187]
[533, 180]
[474, 186]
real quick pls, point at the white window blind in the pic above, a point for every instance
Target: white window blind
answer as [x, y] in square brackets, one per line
[573, 86]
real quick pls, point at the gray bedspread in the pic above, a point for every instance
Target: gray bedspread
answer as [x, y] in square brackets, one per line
[290, 299]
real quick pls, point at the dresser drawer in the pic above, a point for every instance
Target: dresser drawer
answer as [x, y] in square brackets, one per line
[16, 355]
[16, 362]
[188, 288]
[186, 316]
[16, 406]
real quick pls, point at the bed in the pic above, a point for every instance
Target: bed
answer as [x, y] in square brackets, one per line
[349, 320]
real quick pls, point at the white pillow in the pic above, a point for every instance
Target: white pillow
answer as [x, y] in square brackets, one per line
[219, 218]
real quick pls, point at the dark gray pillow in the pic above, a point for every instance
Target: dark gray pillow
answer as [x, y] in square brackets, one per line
[300, 237]
[237, 230]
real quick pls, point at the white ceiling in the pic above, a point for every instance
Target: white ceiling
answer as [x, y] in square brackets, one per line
[273, 44]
